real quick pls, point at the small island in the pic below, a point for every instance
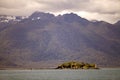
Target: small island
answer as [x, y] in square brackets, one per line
[77, 65]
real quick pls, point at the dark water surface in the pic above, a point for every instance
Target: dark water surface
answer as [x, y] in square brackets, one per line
[102, 74]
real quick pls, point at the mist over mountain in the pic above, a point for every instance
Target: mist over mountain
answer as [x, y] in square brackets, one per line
[43, 40]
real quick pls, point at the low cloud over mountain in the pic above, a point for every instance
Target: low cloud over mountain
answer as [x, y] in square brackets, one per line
[107, 10]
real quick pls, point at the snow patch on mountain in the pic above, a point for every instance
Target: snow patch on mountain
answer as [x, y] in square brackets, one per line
[37, 18]
[6, 18]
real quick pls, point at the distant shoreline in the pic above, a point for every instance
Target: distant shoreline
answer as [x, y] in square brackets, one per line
[53, 68]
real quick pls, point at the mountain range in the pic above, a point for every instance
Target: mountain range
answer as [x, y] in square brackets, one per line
[43, 40]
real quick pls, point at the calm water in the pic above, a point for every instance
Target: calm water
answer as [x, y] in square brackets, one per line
[103, 74]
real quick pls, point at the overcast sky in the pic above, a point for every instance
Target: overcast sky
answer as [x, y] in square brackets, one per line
[107, 10]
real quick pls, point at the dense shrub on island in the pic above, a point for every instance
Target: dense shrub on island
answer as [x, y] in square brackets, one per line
[77, 65]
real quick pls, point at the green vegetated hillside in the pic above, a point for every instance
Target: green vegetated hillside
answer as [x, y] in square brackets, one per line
[51, 40]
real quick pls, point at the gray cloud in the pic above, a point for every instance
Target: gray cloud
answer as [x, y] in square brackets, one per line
[11, 4]
[107, 10]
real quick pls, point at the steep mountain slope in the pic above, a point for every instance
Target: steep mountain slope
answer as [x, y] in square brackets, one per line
[45, 40]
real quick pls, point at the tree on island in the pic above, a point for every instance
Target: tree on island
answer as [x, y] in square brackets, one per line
[77, 65]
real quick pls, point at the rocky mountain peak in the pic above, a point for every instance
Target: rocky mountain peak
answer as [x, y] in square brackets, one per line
[41, 15]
